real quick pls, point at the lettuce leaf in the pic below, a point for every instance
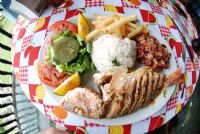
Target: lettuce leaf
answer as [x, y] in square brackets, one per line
[82, 63]
[80, 39]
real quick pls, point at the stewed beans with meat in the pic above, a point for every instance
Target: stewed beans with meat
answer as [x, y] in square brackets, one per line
[152, 53]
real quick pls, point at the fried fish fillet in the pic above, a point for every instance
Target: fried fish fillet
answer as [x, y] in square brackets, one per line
[122, 93]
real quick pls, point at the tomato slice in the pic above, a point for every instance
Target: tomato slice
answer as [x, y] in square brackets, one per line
[61, 25]
[50, 76]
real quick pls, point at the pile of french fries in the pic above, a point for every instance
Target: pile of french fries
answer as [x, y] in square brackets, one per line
[123, 26]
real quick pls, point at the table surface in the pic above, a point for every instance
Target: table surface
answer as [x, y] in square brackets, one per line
[28, 36]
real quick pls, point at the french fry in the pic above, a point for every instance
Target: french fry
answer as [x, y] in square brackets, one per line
[105, 22]
[99, 17]
[92, 34]
[132, 25]
[117, 29]
[129, 29]
[145, 25]
[121, 22]
[145, 29]
[135, 32]
[102, 17]
[96, 22]
[122, 28]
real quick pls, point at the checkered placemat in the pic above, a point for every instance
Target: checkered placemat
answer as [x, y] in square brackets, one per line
[26, 40]
[171, 104]
[23, 74]
[48, 112]
[165, 31]
[156, 9]
[94, 3]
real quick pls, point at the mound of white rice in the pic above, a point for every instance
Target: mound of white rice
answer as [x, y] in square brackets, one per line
[109, 48]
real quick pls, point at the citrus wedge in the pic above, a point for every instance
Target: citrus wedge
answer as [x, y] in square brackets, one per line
[83, 27]
[69, 84]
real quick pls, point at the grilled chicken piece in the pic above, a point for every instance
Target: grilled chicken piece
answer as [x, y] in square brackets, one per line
[83, 102]
[123, 94]
[101, 78]
[128, 96]
[105, 90]
[140, 86]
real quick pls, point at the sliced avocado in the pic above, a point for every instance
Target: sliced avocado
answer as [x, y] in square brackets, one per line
[64, 49]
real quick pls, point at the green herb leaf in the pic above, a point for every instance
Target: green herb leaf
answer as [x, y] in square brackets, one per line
[165, 93]
[53, 61]
[80, 39]
[86, 63]
[75, 67]
[92, 67]
[115, 62]
[72, 68]
[56, 37]
[83, 51]
[89, 47]
[65, 33]
[48, 56]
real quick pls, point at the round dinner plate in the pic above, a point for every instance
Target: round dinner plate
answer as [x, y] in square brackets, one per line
[140, 114]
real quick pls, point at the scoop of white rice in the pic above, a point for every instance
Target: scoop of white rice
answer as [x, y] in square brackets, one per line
[108, 48]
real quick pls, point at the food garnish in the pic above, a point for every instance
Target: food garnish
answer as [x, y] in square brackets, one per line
[164, 93]
[83, 27]
[69, 84]
[89, 47]
[115, 62]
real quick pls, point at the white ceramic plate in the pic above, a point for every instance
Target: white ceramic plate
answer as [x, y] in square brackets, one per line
[139, 115]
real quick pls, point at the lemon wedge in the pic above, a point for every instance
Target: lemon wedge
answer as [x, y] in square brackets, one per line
[83, 27]
[69, 84]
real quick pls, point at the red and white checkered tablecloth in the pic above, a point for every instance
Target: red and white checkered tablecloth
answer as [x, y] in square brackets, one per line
[50, 115]
[172, 103]
[94, 3]
[28, 37]
[164, 30]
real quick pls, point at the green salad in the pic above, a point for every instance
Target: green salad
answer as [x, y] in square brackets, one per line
[70, 53]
